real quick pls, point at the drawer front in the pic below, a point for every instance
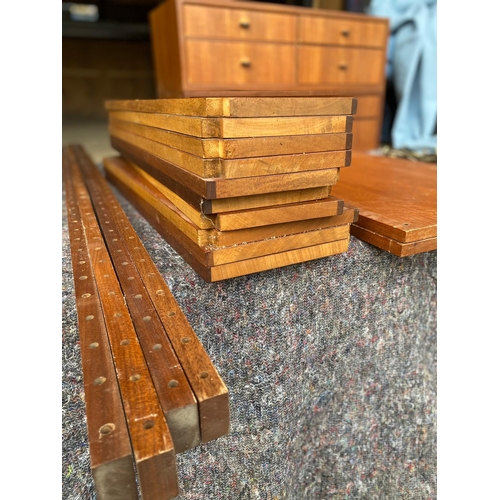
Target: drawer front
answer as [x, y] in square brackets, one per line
[218, 22]
[369, 106]
[339, 65]
[338, 31]
[365, 134]
[238, 63]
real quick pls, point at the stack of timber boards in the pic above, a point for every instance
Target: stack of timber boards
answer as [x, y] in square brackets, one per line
[151, 390]
[397, 202]
[236, 185]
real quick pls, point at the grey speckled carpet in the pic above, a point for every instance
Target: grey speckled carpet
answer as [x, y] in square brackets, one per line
[331, 368]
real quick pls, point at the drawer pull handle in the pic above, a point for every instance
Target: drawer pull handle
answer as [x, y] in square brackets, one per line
[245, 24]
[245, 63]
[345, 32]
[343, 66]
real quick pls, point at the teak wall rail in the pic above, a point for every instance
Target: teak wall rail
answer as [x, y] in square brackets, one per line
[173, 397]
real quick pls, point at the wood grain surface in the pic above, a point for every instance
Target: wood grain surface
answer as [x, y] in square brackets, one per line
[227, 128]
[211, 262]
[111, 460]
[393, 246]
[197, 215]
[263, 200]
[274, 261]
[211, 393]
[245, 147]
[238, 167]
[152, 444]
[174, 391]
[240, 106]
[184, 183]
[167, 214]
[397, 198]
[190, 223]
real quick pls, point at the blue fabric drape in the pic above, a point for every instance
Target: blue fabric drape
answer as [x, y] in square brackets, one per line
[412, 69]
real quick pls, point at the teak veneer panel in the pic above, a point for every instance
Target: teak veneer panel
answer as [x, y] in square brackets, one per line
[246, 147]
[241, 107]
[185, 183]
[211, 393]
[240, 167]
[228, 221]
[152, 444]
[397, 198]
[393, 246]
[207, 207]
[199, 258]
[208, 256]
[263, 200]
[175, 220]
[229, 128]
[240, 24]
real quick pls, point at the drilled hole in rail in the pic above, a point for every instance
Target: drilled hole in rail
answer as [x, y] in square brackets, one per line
[82, 278]
[157, 347]
[107, 428]
[99, 380]
[148, 424]
[125, 342]
[89, 317]
[203, 375]
[173, 383]
[146, 318]
[138, 296]
[160, 292]
[171, 313]
[94, 345]
[130, 278]
[86, 295]
[135, 377]
[185, 340]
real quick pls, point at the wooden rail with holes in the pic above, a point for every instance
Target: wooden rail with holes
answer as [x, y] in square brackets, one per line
[176, 397]
[111, 460]
[152, 445]
[209, 389]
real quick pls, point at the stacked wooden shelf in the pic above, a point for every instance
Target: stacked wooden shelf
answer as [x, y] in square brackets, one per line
[236, 185]
[397, 202]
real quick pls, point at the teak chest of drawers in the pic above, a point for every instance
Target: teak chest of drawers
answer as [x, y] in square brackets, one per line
[223, 47]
